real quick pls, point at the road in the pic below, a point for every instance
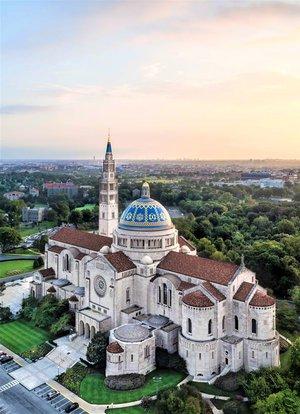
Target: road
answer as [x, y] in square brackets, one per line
[18, 400]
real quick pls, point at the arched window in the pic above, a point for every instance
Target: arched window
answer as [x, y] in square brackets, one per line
[165, 294]
[223, 323]
[236, 323]
[254, 326]
[67, 263]
[170, 297]
[128, 295]
[159, 294]
[209, 327]
[189, 325]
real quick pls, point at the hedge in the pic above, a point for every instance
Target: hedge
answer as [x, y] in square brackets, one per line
[125, 382]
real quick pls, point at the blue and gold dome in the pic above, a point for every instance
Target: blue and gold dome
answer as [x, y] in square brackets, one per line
[145, 214]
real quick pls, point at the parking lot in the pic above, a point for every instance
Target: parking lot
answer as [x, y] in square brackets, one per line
[59, 402]
[10, 366]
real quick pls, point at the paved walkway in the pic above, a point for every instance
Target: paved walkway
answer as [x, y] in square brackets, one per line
[98, 408]
[10, 257]
[14, 293]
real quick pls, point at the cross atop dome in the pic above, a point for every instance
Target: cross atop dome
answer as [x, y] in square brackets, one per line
[145, 190]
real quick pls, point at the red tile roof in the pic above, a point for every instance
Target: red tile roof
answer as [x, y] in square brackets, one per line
[80, 256]
[261, 299]
[47, 272]
[199, 267]
[197, 299]
[185, 285]
[114, 348]
[56, 249]
[214, 291]
[243, 291]
[120, 261]
[80, 238]
[182, 241]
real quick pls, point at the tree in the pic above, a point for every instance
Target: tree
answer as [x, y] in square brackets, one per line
[286, 317]
[282, 402]
[286, 226]
[9, 238]
[61, 325]
[5, 314]
[295, 294]
[96, 351]
[38, 262]
[258, 385]
[75, 217]
[40, 243]
[295, 356]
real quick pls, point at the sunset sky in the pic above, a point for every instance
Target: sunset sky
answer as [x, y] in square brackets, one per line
[171, 79]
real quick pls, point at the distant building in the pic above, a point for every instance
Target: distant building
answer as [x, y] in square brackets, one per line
[33, 215]
[14, 195]
[34, 192]
[255, 175]
[68, 188]
[262, 183]
[136, 192]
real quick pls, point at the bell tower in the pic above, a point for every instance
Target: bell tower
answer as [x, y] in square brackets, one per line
[108, 194]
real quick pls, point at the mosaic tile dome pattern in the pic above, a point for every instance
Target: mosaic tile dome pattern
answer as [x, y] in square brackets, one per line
[145, 214]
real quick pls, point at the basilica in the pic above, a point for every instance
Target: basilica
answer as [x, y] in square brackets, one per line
[144, 284]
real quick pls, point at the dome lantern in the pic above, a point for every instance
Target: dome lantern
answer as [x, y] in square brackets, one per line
[145, 190]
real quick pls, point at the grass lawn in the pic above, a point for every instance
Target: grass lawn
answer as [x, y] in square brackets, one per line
[21, 266]
[129, 410]
[93, 389]
[19, 336]
[213, 390]
[86, 207]
[21, 250]
[28, 231]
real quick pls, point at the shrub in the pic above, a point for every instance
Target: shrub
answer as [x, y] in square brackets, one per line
[37, 352]
[170, 361]
[125, 382]
[231, 407]
[228, 382]
[5, 314]
[72, 378]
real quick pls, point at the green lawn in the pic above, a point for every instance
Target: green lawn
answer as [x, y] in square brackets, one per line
[129, 410]
[94, 391]
[28, 231]
[213, 390]
[21, 266]
[86, 207]
[19, 336]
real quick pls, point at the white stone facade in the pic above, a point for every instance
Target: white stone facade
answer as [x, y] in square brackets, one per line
[148, 279]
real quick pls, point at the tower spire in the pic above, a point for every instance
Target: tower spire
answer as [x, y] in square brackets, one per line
[108, 145]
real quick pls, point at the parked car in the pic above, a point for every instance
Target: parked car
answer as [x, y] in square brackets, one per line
[51, 395]
[6, 358]
[71, 407]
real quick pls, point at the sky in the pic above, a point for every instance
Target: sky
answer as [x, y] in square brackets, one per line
[170, 79]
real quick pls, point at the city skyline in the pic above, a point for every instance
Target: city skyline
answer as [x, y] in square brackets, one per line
[194, 80]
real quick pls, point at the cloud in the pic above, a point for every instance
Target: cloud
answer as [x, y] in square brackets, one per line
[20, 109]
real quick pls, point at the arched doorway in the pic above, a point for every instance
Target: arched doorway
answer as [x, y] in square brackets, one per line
[87, 331]
[81, 328]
